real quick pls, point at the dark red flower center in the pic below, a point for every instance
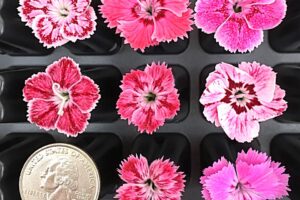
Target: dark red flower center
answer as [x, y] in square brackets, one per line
[150, 97]
[241, 96]
[150, 183]
[237, 8]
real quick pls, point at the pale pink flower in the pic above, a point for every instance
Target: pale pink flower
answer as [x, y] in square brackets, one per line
[145, 23]
[56, 22]
[160, 180]
[61, 98]
[238, 98]
[148, 97]
[254, 176]
[238, 24]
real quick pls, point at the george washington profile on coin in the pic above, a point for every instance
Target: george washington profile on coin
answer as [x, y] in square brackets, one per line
[59, 172]
[60, 179]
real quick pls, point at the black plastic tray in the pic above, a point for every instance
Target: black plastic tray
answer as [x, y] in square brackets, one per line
[104, 58]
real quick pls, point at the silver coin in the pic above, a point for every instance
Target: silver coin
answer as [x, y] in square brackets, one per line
[59, 172]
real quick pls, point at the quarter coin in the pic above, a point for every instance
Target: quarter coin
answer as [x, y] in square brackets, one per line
[59, 172]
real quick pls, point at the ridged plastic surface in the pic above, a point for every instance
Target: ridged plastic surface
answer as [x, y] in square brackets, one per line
[188, 139]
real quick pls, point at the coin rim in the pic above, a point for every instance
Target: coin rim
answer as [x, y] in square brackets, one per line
[67, 146]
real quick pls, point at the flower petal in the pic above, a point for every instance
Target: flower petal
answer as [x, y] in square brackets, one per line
[235, 35]
[43, 113]
[252, 157]
[167, 106]
[240, 127]
[81, 26]
[138, 33]
[264, 77]
[132, 192]
[266, 16]
[210, 14]
[215, 168]
[30, 9]
[162, 76]
[134, 170]
[162, 84]
[214, 92]
[165, 176]
[211, 113]
[135, 80]
[82, 5]
[262, 180]
[73, 121]
[127, 104]
[178, 7]
[269, 110]
[48, 31]
[85, 94]
[38, 86]
[115, 10]
[144, 119]
[283, 179]
[65, 72]
[170, 27]
[219, 184]
[256, 2]
[226, 71]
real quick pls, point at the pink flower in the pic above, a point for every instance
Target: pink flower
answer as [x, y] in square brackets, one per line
[145, 23]
[56, 22]
[160, 180]
[238, 24]
[148, 97]
[61, 98]
[237, 99]
[254, 176]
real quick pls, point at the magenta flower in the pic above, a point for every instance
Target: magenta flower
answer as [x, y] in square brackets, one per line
[145, 23]
[237, 99]
[238, 24]
[160, 180]
[61, 98]
[56, 22]
[148, 97]
[254, 176]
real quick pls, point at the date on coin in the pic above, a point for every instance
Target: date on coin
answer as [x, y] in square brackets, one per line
[59, 172]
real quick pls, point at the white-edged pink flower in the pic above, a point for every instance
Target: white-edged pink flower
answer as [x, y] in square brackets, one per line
[238, 98]
[238, 24]
[56, 22]
[61, 98]
[148, 97]
[254, 176]
[160, 180]
[145, 23]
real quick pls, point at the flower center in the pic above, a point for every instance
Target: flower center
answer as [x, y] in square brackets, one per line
[150, 97]
[239, 95]
[60, 9]
[237, 8]
[238, 186]
[148, 9]
[64, 97]
[150, 183]
[64, 12]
